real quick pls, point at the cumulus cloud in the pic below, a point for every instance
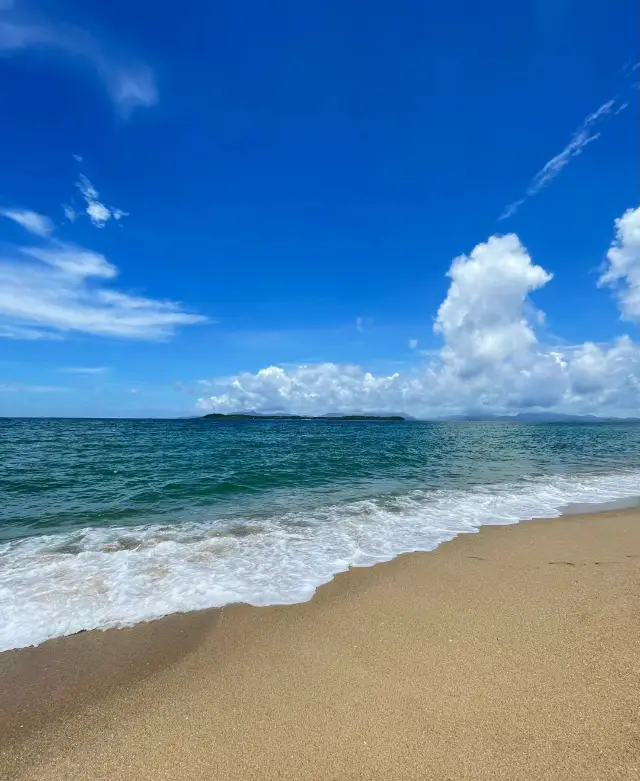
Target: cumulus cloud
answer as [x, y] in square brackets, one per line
[483, 319]
[581, 138]
[607, 375]
[623, 269]
[491, 360]
[303, 388]
[130, 85]
[35, 223]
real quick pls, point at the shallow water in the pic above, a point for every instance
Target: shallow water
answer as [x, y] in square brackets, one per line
[107, 523]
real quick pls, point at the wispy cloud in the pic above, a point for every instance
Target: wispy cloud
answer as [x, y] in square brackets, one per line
[69, 212]
[98, 213]
[60, 291]
[130, 85]
[74, 261]
[26, 333]
[582, 137]
[52, 289]
[32, 221]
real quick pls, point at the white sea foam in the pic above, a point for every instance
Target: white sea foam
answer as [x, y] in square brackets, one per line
[56, 585]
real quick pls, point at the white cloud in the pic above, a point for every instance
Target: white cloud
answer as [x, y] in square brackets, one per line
[74, 261]
[581, 138]
[305, 389]
[129, 84]
[32, 221]
[58, 289]
[607, 373]
[492, 358]
[54, 288]
[413, 343]
[99, 214]
[623, 271]
[484, 319]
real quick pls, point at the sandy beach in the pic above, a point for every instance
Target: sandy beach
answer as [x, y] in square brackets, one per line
[509, 654]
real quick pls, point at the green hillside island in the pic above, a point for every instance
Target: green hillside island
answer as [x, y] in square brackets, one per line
[250, 416]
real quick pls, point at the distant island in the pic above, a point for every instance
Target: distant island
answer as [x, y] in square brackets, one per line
[256, 416]
[522, 417]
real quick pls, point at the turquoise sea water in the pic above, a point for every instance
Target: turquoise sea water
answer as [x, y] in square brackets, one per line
[106, 523]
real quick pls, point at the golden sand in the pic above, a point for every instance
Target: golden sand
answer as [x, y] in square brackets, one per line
[510, 654]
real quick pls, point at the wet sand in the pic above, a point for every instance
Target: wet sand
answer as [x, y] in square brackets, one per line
[509, 654]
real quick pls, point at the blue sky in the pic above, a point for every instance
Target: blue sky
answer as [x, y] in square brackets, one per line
[256, 206]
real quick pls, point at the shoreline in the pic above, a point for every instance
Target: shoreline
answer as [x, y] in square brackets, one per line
[530, 624]
[571, 509]
[173, 593]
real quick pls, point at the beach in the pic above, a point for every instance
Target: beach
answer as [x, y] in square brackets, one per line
[507, 654]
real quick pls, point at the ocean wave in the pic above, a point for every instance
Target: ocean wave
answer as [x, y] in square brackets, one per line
[96, 578]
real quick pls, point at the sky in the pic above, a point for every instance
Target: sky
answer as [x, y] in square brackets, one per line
[411, 207]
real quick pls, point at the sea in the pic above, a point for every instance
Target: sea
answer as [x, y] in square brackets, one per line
[106, 523]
